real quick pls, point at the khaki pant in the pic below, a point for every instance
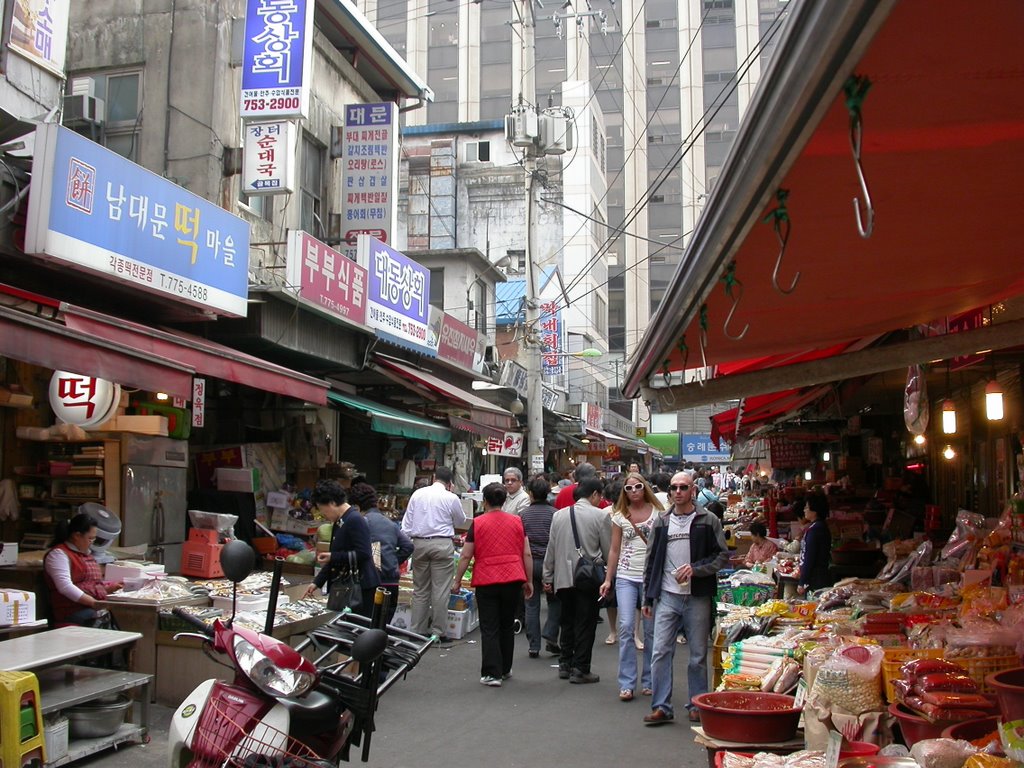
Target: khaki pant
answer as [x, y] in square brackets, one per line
[433, 570]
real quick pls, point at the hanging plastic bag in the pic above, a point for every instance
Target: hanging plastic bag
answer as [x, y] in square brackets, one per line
[851, 679]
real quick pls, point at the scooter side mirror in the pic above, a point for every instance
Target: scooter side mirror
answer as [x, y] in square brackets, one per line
[237, 560]
[369, 645]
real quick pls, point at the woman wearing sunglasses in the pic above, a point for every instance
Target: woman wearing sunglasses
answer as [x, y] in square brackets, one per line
[632, 518]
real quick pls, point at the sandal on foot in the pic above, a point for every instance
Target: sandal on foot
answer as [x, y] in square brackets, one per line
[625, 695]
[611, 640]
[647, 692]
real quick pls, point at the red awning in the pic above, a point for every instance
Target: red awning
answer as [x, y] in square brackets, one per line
[203, 356]
[465, 425]
[943, 142]
[481, 411]
[47, 343]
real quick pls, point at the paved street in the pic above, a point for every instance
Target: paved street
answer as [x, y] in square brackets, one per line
[441, 717]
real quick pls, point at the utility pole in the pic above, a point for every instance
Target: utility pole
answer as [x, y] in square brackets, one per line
[524, 132]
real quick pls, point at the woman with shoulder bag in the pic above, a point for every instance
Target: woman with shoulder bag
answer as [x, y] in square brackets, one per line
[632, 517]
[350, 536]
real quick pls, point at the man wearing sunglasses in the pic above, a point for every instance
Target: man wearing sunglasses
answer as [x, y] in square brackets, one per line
[686, 551]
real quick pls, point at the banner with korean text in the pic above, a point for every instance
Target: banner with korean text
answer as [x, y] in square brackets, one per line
[397, 296]
[99, 212]
[39, 32]
[324, 277]
[268, 157]
[277, 58]
[369, 173]
[551, 338]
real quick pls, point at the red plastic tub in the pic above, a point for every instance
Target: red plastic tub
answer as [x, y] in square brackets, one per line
[1008, 686]
[858, 749]
[914, 727]
[748, 717]
[969, 730]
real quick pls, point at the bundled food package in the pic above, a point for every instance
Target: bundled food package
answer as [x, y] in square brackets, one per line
[979, 640]
[851, 679]
[942, 753]
[962, 548]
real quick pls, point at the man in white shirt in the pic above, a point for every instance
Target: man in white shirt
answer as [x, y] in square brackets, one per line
[518, 499]
[430, 520]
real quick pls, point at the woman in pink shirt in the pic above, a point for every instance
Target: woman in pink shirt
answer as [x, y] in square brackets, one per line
[762, 549]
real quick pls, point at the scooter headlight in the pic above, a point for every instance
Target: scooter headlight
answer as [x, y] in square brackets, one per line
[268, 677]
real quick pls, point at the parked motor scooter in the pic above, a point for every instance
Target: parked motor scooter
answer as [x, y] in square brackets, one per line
[283, 710]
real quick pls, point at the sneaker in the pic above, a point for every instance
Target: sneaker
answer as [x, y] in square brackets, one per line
[554, 648]
[506, 676]
[564, 673]
[494, 682]
[582, 678]
[534, 654]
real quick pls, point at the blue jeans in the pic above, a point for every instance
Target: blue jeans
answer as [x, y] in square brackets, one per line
[627, 594]
[693, 616]
[534, 633]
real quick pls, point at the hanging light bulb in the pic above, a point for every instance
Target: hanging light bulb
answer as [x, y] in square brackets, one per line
[993, 400]
[919, 439]
[826, 456]
[948, 453]
[948, 417]
[807, 475]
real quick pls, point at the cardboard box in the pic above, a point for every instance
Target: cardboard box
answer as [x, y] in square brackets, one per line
[464, 601]
[17, 607]
[238, 480]
[461, 623]
[8, 553]
[403, 617]
[279, 500]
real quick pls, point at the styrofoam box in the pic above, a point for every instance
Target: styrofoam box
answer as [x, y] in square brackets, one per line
[129, 569]
[9, 553]
[279, 500]
[248, 602]
[17, 607]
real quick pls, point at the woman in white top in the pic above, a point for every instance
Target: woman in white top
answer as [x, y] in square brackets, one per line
[632, 517]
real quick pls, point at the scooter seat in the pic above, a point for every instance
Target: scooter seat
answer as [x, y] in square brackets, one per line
[315, 712]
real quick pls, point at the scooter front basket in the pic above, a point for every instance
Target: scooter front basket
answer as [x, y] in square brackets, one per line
[230, 734]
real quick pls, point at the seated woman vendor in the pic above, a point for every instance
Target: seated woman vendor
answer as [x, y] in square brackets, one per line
[763, 549]
[73, 577]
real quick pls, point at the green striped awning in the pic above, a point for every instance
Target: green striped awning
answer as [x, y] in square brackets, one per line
[391, 421]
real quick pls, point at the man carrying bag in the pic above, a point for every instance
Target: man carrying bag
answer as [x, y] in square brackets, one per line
[579, 601]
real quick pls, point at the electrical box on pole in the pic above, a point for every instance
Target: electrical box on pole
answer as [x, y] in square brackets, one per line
[521, 127]
[556, 133]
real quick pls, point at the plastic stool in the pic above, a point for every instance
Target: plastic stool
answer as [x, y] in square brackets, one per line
[22, 740]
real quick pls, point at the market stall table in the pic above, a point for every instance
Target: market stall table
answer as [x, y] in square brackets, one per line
[64, 685]
[714, 746]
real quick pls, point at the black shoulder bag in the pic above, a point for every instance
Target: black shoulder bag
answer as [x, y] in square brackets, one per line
[346, 588]
[587, 574]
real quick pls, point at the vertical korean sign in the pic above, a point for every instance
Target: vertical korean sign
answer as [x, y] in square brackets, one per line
[268, 167]
[550, 338]
[369, 163]
[96, 211]
[198, 402]
[39, 32]
[397, 296]
[277, 58]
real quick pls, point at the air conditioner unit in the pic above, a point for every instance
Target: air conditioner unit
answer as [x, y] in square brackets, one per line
[80, 107]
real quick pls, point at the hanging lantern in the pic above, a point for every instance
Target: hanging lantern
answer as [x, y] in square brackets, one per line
[993, 400]
[948, 417]
[948, 453]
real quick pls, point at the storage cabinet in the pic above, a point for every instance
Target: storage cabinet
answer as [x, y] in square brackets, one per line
[61, 477]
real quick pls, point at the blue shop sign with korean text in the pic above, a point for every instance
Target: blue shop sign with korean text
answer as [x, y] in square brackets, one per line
[277, 58]
[700, 450]
[397, 296]
[93, 209]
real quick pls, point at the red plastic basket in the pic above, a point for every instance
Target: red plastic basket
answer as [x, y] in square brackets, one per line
[228, 736]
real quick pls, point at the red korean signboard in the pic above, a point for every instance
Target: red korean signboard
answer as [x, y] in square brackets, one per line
[327, 278]
[457, 342]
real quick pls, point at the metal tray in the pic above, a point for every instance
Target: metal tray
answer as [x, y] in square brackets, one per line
[879, 761]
